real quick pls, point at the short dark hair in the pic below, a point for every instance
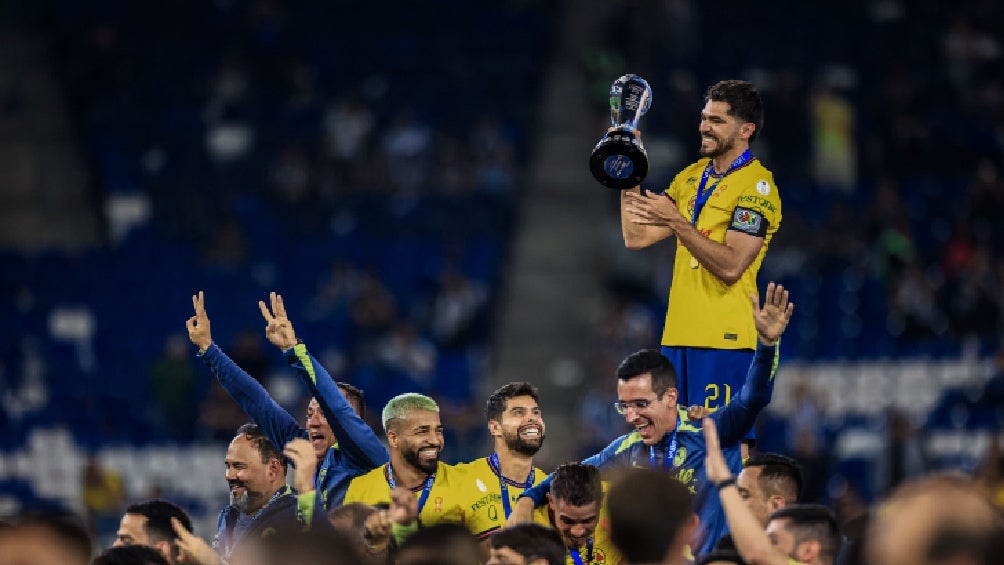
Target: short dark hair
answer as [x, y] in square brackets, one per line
[266, 449]
[812, 522]
[158, 514]
[577, 484]
[448, 541]
[131, 555]
[649, 361]
[314, 547]
[356, 512]
[532, 541]
[65, 527]
[354, 395]
[647, 509]
[495, 405]
[743, 99]
[783, 473]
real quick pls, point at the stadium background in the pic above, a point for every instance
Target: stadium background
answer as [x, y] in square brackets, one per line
[412, 177]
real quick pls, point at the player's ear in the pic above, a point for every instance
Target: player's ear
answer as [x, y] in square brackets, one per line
[746, 130]
[392, 437]
[494, 427]
[776, 502]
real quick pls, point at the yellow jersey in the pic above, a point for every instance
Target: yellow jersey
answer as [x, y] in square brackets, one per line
[483, 509]
[703, 311]
[443, 504]
[603, 551]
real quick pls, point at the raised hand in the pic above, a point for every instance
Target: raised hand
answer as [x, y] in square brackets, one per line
[403, 507]
[198, 325]
[715, 466]
[194, 548]
[301, 453]
[278, 329]
[773, 318]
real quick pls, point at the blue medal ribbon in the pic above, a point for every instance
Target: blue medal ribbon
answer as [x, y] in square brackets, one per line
[426, 487]
[504, 482]
[704, 194]
[667, 463]
[577, 558]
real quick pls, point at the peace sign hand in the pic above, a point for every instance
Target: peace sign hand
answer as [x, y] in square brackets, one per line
[278, 329]
[198, 325]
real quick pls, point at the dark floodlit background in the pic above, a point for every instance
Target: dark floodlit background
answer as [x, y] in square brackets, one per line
[412, 177]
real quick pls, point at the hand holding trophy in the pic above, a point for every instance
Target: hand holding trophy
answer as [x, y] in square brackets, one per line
[619, 160]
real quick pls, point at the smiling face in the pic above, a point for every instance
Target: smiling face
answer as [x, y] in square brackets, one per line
[657, 417]
[521, 426]
[720, 132]
[419, 439]
[251, 481]
[576, 524]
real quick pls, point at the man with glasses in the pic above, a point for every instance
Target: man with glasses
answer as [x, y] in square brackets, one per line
[664, 437]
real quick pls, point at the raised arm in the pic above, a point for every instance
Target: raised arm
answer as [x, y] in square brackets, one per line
[279, 426]
[736, 419]
[355, 437]
[748, 534]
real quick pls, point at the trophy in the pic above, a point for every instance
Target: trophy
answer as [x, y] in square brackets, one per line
[619, 160]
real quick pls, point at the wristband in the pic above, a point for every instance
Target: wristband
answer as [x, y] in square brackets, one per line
[729, 482]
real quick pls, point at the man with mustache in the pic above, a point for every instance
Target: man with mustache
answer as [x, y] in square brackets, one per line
[415, 436]
[494, 483]
[344, 444]
[724, 209]
[261, 504]
[664, 437]
[576, 508]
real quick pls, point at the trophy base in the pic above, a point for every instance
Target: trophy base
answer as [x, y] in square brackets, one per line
[619, 161]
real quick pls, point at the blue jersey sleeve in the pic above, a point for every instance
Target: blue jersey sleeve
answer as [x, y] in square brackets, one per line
[614, 455]
[279, 426]
[355, 437]
[736, 419]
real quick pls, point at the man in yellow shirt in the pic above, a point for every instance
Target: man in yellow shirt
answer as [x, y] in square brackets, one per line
[494, 483]
[575, 507]
[415, 436]
[724, 209]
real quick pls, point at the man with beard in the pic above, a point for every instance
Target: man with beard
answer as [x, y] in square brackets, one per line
[724, 209]
[575, 507]
[664, 437]
[344, 444]
[415, 436]
[261, 504]
[494, 483]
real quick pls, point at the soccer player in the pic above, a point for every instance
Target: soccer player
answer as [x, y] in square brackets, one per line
[651, 518]
[796, 534]
[724, 209]
[495, 482]
[415, 436]
[527, 544]
[130, 555]
[261, 504]
[149, 524]
[345, 446]
[769, 482]
[575, 507]
[665, 438]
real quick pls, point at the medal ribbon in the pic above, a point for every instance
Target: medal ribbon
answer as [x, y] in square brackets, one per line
[426, 487]
[667, 463]
[704, 194]
[493, 462]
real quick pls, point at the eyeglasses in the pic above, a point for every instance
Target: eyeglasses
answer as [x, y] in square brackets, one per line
[622, 407]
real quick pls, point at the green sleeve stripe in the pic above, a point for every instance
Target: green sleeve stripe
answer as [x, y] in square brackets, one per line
[631, 439]
[305, 507]
[777, 359]
[300, 350]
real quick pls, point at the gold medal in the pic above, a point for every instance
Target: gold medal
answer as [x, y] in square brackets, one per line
[693, 263]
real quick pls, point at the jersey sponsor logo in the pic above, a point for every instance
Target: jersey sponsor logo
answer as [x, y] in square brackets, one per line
[755, 201]
[691, 180]
[491, 498]
[763, 187]
[680, 457]
[493, 512]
